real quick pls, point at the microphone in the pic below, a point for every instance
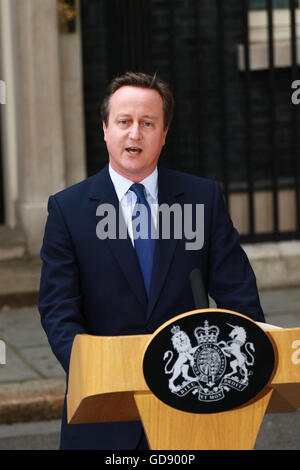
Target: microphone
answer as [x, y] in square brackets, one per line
[199, 293]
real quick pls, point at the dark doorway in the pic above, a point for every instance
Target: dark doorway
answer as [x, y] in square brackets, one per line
[238, 127]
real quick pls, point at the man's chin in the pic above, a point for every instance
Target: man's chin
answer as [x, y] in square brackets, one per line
[136, 173]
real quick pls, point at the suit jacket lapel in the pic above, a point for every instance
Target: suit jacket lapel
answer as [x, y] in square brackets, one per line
[103, 191]
[169, 192]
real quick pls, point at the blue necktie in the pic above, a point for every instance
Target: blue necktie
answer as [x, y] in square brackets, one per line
[144, 244]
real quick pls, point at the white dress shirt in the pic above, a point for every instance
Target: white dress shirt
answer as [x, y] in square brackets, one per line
[128, 198]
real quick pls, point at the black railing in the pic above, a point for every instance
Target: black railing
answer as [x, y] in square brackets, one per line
[295, 120]
[248, 120]
[275, 176]
[272, 109]
[222, 98]
[238, 127]
[127, 35]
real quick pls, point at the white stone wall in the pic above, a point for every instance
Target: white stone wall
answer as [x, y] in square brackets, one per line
[44, 137]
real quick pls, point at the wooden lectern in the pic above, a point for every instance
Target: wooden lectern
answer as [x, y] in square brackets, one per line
[106, 383]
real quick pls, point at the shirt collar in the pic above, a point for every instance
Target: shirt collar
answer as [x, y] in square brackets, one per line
[122, 184]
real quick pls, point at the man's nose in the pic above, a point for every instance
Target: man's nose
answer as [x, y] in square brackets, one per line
[134, 133]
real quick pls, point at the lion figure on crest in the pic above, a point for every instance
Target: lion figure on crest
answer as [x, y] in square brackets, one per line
[181, 343]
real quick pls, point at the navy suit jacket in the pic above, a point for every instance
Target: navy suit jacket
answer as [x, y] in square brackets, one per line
[95, 286]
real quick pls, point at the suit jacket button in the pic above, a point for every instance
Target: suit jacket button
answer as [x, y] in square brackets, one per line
[150, 328]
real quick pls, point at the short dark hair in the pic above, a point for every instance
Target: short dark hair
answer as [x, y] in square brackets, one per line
[141, 80]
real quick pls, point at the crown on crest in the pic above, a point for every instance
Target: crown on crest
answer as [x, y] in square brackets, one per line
[206, 333]
[175, 329]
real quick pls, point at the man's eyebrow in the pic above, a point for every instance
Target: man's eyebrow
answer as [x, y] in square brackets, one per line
[122, 115]
[149, 116]
[145, 116]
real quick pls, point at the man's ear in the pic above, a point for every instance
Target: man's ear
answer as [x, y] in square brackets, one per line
[104, 129]
[165, 135]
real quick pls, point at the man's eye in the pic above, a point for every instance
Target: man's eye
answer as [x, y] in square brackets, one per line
[123, 121]
[147, 124]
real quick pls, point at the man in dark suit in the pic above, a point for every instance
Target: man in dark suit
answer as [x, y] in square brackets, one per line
[100, 284]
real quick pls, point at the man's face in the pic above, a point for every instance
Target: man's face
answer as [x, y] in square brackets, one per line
[135, 133]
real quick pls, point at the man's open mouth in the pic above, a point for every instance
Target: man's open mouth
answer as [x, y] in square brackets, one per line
[133, 150]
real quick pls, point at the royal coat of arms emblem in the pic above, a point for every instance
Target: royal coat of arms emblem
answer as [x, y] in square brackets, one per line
[208, 362]
[211, 368]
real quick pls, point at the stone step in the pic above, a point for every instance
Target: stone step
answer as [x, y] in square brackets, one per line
[19, 282]
[12, 243]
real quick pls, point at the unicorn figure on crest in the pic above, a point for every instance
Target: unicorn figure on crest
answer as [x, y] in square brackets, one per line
[233, 348]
